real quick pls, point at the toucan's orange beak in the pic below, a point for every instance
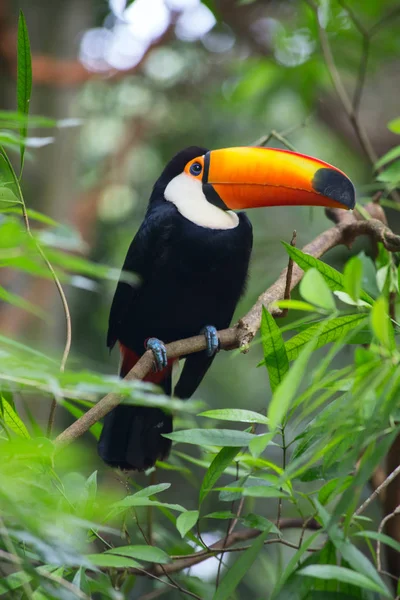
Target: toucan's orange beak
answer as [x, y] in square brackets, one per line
[249, 177]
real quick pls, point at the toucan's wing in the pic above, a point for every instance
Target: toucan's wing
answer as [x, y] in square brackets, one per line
[138, 259]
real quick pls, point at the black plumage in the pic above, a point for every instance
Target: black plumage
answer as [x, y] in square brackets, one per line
[189, 277]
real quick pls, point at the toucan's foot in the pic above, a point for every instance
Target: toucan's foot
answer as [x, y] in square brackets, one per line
[212, 339]
[159, 352]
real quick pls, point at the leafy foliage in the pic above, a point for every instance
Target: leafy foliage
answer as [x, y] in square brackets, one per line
[67, 531]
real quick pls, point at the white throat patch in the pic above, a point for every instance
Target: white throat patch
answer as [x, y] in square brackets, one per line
[187, 195]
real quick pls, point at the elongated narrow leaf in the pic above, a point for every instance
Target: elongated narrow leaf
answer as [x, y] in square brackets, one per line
[354, 557]
[77, 412]
[20, 302]
[381, 324]
[353, 276]
[239, 569]
[211, 437]
[333, 278]
[132, 501]
[344, 575]
[260, 442]
[329, 331]
[263, 491]
[314, 289]
[235, 414]
[11, 419]
[394, 125]
[285, 392]
[221, 461]
[151, 490]
[380, 537]
[17, 119]
[186, 521]
[388, 157]
[291, 566]
[111, 560]
[24, 76]
[7, 196]
[145, 553]
[275, 356]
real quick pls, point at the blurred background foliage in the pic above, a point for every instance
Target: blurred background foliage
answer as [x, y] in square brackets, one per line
[131, 83]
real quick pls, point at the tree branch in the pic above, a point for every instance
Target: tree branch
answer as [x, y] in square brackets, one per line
[347, 228]
[225, 545]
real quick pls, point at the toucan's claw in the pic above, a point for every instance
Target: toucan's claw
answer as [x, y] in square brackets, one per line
[159, 352]
[212, 340]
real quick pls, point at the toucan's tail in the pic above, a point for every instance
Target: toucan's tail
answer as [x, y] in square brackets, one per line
[131, 437]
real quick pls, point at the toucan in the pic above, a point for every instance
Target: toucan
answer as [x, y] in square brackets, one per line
[191, 257]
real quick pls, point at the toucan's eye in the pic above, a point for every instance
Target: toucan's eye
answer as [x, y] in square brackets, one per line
[195, 168]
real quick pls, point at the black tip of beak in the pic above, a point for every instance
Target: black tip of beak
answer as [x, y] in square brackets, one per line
[335, 185]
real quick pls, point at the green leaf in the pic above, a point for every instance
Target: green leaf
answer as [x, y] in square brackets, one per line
[211, 437]
[344, 575]
[80, 581]
[11, 419]
[315, 290]
[239, 569]
[221, 514]
[111, 560]
[333, 278]
[327, 332]
[394, 125]
[8, 196]
[145, 553]
[235, 414]
[295, 305]
[353, 275]
[130, 501]
[388, 157]
[275, 357]
[24, 76]
[391, 174]
[381, 537]
[220, 462]
[260, 442]
[262, 491]
[77, 412]
[151, 490]
[381, 324]
[291, 565]
[9, 118]
[186, 521]
[355, 558]
[13, 581]
[21, 303]
[259, 522]
[286, 390]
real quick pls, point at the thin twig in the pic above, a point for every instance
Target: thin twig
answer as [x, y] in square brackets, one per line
[148, 542]
[286, 295]
[229, 529]
[341, 90]
[378, 490]
[185, 562]
[380, 529]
